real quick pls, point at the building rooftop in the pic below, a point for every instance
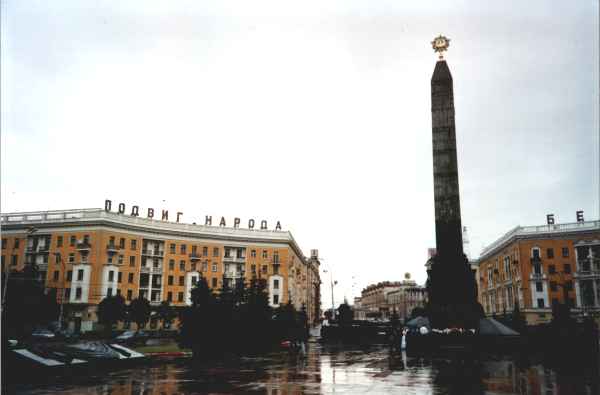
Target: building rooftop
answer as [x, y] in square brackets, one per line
[99, 217]
[541, 231]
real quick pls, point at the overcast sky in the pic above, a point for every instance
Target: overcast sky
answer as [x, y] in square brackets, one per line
[316, 114]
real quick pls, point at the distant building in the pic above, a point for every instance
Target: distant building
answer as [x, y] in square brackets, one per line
[541, 266]
[379, 300]
[406, 298]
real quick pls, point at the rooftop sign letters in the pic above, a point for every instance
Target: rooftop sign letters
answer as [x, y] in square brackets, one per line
[164, 216]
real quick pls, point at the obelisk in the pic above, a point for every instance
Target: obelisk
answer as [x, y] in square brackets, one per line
[451, 283]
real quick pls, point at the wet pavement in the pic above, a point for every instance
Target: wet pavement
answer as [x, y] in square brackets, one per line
[328, 370]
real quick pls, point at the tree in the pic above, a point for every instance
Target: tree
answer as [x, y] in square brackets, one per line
[111, 310]
[346, 315]
[166, 313]
[27, 303]
[139, 311]
[417, 312]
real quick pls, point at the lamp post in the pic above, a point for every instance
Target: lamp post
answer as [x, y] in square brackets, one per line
[332, 284]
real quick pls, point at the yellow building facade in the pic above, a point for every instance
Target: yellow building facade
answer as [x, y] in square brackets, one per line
[93, 253]
[540, 266]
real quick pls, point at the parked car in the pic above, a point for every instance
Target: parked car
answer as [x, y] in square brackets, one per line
[42, 334]
[132, 337]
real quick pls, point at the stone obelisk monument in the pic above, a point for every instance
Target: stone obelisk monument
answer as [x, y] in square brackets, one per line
[451, 282]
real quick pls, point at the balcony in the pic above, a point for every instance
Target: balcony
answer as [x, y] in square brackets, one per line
[112, 248]
[84, 246]
[194, 256]
[40, 249]
[535, 259]
[234, 259]
[153, 253]
[537, 276]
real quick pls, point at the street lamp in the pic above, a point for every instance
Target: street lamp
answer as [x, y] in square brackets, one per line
[333, 283]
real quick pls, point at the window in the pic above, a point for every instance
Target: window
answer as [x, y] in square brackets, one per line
[275, 299]
[181, 280]
[537, 268]
[194, 280]
[57, 259]
[565, 252]
[118, 292]
[183, 249]
[205, 266]
[4, 244]
[216, 251]
[205, 251]
[109, 292]
[552, 269]
[121, 243]
[265, 269]
[59, 241]
[171, 264]
[253, 269]
[71, 257]
[45, 258]
[120, 259]
[170, 280]
[265, 254]
[539, 287]
[214, 267]
[180, 297]
[253, 253]
[195, 250]
[111, 276]
[70, 275]
[119, 277]
[130, 278]
[72, 241]
[169, 296]
[132, 261]
[214, 283]
[275, 284]
[17, 243]
[129, 294]
[80, 275]
[67, 293]
[553, 286]
[567, 268]
[550, 253]
[13, 260]
[540, 303]
[182, 265]
[568, 285]
[193, 266]
[227, 252]
[275, 269]
[78, 293]
[276, 257]
[133, 244]
[110, 259]
[56, 274]
[172, 248]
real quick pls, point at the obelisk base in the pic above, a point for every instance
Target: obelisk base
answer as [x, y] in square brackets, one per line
[452, 292]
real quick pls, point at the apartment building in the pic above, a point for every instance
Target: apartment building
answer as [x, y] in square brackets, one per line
[94, 253]
[540, 266]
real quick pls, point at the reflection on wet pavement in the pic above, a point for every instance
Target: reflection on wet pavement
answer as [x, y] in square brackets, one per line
[329, 369]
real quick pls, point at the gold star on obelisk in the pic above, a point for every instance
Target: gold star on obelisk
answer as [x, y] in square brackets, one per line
[440, 44]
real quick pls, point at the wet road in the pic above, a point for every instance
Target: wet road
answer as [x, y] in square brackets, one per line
[325, 370]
